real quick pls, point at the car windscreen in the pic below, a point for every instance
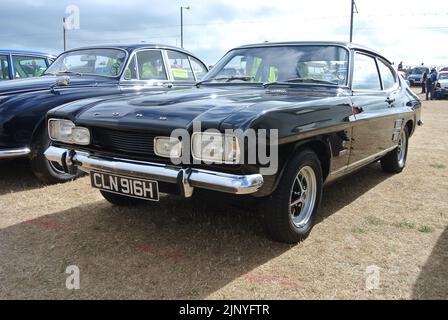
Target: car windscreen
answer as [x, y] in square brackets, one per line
[328, 64]
[443, 76]
[418, 71]
[100, 62]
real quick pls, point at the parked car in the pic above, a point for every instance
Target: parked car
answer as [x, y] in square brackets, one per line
[85, 73]
[416, 76]
[442, 83]
[329, 123]
[18, 64]
[442, 80]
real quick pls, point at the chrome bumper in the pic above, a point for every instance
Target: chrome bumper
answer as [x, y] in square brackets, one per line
[14, 153]
[187, 179]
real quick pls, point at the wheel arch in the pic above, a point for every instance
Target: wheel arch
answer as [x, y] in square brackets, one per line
[410, 125]
[320, 145]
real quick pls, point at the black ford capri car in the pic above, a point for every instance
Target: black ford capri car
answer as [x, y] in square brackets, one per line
[275, 121]
[89, 72]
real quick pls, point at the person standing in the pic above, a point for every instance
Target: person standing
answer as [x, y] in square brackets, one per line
[433, 76]
[424, 78]
[430, 83]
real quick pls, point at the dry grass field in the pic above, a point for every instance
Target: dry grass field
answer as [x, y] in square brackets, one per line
[207, 250]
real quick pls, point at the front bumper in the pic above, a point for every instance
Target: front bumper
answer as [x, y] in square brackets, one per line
[187, 179]
[14, 153]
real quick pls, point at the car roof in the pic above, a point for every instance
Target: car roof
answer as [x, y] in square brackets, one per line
[132, 47]
[28, 52]
[348, 45]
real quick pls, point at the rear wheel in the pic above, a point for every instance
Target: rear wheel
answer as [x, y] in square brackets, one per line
[120, 200]
[290, 212]
[46, 171]
[395, 161]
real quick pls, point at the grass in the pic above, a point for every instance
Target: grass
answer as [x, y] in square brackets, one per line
[359, 230]
[405, 224]
[438, 166]
[375, 221]
[425, 229]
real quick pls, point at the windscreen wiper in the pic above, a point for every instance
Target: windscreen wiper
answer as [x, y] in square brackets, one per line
[228, 79]
[69, 72]
[299, 80]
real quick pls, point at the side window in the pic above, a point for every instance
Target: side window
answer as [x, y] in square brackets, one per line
[4, 68]
[25, 67]
[387, 75]
[365, 73]
[198, 68]
[150, 65]
[180, 66]
[131, 71]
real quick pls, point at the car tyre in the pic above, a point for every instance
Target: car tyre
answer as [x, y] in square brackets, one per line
[395, 161]
[122, 201]
[289, 214]
[44, 170]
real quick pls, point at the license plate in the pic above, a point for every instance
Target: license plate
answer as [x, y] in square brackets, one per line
[126, 186]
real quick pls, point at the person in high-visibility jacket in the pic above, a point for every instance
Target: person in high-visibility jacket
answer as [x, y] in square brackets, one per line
[148, 71]
[267, 73]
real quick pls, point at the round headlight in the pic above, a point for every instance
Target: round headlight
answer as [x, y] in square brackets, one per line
[215, 147]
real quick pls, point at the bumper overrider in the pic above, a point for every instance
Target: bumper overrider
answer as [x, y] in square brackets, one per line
[186, 179]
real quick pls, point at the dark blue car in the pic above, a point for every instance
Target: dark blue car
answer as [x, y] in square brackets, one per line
[18, 64]
[95, 73]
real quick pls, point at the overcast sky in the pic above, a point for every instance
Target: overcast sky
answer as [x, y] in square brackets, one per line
[403, 30]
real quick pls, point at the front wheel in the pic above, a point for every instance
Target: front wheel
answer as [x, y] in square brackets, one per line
[289, 213]
[395, 161]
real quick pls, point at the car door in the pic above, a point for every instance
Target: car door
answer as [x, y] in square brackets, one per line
[372, 120]
[396, 103]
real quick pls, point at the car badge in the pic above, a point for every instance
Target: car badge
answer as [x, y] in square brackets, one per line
[163, 118]
[115, 114]
[138, 115]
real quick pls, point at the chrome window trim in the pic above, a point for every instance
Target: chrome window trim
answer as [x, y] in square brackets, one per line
[171, 74]
[200, 63]
[122, 80]
[374, 57]
[396, 86]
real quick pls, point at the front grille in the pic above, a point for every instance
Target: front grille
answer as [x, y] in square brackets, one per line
[128, 142]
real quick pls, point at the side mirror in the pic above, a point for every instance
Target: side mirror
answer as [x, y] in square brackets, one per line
[63, 81]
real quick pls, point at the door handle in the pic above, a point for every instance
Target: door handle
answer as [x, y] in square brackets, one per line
[390, 100]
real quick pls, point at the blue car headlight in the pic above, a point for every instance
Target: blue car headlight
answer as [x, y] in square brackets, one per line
[67, 132]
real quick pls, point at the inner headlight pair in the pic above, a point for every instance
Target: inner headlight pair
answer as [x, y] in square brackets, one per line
[215, 147]
[205, 146]
[67, 132]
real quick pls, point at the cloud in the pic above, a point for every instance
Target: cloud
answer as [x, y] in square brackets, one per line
[402, 30]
